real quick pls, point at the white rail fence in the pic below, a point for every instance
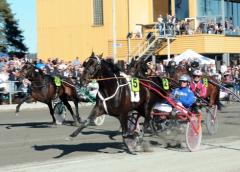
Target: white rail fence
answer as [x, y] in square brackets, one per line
[8, 89]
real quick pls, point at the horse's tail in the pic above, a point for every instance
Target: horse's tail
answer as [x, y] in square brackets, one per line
[218, 103]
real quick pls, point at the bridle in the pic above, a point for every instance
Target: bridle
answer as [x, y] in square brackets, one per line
[35, 83]
[92, 70]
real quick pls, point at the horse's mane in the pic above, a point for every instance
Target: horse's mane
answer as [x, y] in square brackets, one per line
[114, 67]
[140, 68]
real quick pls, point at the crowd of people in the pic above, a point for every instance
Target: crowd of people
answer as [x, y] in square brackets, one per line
[171, 25]
[229, 76]
[9, 67]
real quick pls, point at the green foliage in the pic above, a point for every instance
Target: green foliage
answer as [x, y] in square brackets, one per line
[11, 39]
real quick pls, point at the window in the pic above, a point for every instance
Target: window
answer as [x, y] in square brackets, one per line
[98, 12]
[181, 9]
[209, 8]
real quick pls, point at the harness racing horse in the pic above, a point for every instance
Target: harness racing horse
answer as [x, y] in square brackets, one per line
[114, 97]
[165, 85]
[43, 89]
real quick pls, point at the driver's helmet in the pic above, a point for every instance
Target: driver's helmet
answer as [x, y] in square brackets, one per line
[185, 78]
[197, 73]
[195, 64]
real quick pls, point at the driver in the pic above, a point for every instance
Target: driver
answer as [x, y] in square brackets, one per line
[183, 95]
[197, 85]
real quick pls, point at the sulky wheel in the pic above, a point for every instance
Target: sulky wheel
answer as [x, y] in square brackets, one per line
[212, 120]
[59, 112]
[193, 134]
[99, 120]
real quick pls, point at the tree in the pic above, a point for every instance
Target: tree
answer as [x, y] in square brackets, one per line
[3, 40]
[11, 39]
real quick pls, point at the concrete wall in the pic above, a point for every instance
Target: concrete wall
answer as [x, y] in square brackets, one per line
[65, 28]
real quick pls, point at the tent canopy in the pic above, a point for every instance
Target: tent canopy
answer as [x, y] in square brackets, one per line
[192, 55]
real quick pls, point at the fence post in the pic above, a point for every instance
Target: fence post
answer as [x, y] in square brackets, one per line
[10, 98]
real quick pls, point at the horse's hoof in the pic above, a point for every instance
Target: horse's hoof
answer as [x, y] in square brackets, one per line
[146, 146]
[139, 148]
[131, 145]
[69, 138]
[58, 123]
[80, 120]
[76, 124]
[54, 123]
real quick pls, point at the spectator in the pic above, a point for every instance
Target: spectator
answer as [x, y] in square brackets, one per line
[223, 68]
[159, 68]
[160, 25]
[76, 62]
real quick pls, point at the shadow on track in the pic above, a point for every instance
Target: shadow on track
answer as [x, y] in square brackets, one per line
[110, 134]
[28, 125]
[83, 147]
[212, 146]
[34, 124]
[232, 123]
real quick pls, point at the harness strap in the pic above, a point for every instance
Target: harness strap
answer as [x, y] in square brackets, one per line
[110, 97]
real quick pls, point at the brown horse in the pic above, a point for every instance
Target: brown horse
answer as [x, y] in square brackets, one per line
[114, 97]
[43, 89]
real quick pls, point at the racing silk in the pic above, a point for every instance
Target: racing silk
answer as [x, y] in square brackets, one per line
[199, 88]
[184, 96]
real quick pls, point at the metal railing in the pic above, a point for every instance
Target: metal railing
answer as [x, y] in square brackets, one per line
[156, 34]
[9, 89]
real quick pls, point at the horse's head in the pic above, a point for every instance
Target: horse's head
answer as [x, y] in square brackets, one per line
[96, 67]
[25, 70]
[29, 71]
[138, 68]
[92, 67]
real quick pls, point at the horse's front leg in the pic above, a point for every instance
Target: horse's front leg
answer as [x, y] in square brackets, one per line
[77, 111]
[75, 118]
[21, 102]
[130, 139]
[51, 112]
[96, 111]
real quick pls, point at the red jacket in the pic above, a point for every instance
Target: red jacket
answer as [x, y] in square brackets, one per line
[199, 89]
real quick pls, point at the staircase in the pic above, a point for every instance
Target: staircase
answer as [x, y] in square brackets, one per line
[151, 44]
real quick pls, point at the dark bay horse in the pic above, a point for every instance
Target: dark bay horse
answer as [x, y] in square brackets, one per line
[43, 89]
[114, 97]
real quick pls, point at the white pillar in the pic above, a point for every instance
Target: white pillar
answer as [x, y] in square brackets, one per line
[154, 60]
[168, 48]
[226, 58]
[129, 50]
[114, 31]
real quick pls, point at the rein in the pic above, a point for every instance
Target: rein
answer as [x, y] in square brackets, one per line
[68, 83]
[177, 106]
[224, 88]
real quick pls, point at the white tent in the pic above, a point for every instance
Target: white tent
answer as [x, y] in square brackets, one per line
[192, 55]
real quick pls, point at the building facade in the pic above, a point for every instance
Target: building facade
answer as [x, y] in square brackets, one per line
[70, 28]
